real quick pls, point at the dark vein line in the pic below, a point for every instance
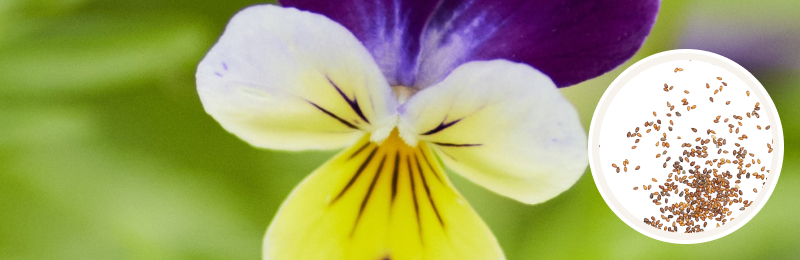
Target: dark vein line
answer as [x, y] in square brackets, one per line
[441, 126]
[348, 124]
[394, 175]
[427, 190]
[355, 176]
[414, 195]
[435, 173]
[456, 145]
[369, 194]
[353, 103]
[359, 150]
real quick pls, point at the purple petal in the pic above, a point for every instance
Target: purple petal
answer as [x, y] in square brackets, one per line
[418, 42]
[569, 40]
[389, 29]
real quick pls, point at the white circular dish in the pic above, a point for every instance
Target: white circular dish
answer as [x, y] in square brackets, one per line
[637, 96]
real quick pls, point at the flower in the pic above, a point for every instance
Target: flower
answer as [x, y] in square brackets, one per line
[402, 83]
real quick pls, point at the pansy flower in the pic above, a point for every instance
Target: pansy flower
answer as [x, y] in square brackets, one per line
[404, 86]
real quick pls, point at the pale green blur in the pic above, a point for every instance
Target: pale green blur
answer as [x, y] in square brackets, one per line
[106, 152]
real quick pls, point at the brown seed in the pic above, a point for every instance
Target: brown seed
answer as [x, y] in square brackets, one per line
[719, 78]
[767, 128]
[694, 106]
[755, 190]
[654, 113]
[727, 103]
[686, 91]
[694, 129]
[654, 179]
[711, 98]
[636, 188]
[637, 167]
[617, 169]
[748, 93]
[634, 147]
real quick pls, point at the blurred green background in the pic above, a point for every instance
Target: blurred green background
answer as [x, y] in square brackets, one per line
[106, 152]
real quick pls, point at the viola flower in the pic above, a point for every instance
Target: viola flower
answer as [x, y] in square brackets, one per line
[406, 84]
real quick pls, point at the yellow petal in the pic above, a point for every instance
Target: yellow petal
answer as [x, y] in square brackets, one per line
[375, 202]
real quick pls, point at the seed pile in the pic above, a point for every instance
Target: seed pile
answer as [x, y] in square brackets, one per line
[700, 184]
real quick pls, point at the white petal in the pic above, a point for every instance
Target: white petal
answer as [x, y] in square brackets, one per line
[286, 79]
[514, 133]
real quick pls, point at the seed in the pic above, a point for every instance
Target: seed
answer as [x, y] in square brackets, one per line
[694, 129]
[654, 179]
[626, 168]
[694, 106]
[637, 167]
[686, 91]
[711, 99]
[634, 147]
[748, 93]
[727, 103]
[678, 113]
[637, 141]
[755, 190]
[654, 113]
[635, 187]
[767, 128]
[617, 169]
[629, 134]
[719, 78]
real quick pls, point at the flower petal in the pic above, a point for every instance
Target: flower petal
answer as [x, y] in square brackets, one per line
[375, 202]
[568, 40]
[502, 125]
[286, 79]
[390, 29]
